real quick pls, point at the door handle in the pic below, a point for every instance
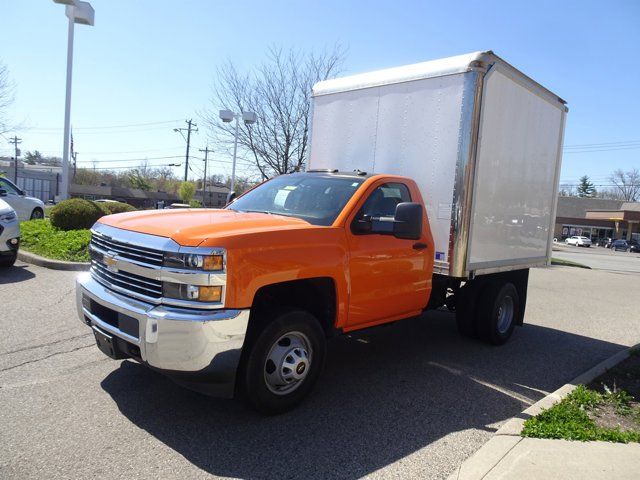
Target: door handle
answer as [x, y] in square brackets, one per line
[419, 246]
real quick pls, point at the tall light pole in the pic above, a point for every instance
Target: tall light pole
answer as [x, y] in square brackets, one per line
[227, 116]
[82, 13]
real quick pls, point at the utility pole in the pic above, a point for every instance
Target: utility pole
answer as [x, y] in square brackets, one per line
[204, 184]
[15, 141]
[190, 128]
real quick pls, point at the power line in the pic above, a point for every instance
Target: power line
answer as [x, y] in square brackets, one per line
[108, 126]
[131, 167]
[132, 159]
[602, 144]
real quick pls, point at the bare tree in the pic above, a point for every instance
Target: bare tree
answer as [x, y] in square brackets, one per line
[6, 96]
[279, 92]
[627, 184]
[567, 190]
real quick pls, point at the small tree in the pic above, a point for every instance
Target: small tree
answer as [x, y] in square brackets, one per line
[187, 191]
[586, 188]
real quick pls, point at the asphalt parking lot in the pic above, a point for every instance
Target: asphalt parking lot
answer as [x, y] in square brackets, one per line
[406, 401]
[600, 258]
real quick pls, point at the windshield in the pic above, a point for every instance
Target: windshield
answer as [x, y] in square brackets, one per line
[318, 199]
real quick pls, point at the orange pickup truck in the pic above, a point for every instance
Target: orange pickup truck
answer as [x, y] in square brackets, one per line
[242, 300]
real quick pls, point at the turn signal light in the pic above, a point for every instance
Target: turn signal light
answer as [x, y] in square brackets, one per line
[210, 294]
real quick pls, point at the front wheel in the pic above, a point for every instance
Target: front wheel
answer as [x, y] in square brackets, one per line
[37, 214]
[284, 362]
[8, 260]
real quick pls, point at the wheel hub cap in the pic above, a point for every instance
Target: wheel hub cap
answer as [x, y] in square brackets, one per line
[287, 363]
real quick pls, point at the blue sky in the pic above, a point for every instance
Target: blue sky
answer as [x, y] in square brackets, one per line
[153, 61]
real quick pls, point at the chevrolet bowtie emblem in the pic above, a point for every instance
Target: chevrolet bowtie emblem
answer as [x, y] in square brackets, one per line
[110, 262]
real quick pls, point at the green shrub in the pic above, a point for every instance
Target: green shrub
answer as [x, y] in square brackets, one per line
[115, 207]
[75, 214]
[195, 204]
[39, 237]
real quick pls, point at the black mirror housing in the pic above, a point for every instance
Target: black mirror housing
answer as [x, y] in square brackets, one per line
[3, 192]
[408, 221]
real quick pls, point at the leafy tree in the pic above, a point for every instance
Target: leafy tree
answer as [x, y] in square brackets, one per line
[33, 157]
[139, 179]
[586, 188]
[279, 92]
[187, 191]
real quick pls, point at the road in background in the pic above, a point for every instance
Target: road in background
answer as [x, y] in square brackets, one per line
[600, 258]
[409, 400]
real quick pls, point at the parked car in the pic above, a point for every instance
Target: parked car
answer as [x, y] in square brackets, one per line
[578, 241]
[9, 234]
[27, 208]
[619, 246]
[634, 247]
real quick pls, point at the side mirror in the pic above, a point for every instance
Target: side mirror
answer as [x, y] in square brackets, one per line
[406, 224]
[408, 221]
[3, 192]
[231, 196]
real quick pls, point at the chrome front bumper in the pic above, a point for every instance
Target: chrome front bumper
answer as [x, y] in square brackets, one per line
[198, 348]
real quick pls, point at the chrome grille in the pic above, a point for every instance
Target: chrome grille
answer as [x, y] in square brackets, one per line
[126, 250]
[126, 281]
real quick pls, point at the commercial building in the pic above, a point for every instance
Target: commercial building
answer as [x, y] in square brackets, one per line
[597, 218]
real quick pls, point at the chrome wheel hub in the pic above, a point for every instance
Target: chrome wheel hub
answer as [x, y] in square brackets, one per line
[505, 314]
[287, 363]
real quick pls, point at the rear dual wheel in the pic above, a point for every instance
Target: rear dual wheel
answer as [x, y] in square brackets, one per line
[489, 312]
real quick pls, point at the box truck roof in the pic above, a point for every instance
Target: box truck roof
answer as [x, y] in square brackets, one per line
[435, 68]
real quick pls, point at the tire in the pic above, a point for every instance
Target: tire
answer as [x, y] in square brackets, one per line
[293, 338]
[37, 214]
[8, 260]
[499, 309]
[465, 311]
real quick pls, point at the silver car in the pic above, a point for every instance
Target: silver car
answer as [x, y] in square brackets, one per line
[9, 234]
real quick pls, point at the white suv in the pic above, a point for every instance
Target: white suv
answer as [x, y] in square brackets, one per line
[9, 234]
[578, 241]
[27, 208]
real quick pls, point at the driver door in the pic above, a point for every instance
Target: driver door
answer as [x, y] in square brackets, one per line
[390, 277]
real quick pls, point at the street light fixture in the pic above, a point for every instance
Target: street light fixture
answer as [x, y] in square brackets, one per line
[227, 116]
[83, 14]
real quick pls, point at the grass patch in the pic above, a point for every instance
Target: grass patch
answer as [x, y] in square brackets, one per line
[567, 263]
[41, 238]
[570, 420]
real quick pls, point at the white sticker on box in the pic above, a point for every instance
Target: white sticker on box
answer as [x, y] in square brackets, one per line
[444, 211]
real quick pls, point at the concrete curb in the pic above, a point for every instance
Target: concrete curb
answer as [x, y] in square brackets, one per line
[50, 263]
[508, 435]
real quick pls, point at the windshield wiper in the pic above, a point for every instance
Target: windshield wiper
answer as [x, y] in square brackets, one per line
[268, 212]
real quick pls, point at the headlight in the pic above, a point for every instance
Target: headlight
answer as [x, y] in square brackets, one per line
[200, 293]
[194, 261]
[8, 217]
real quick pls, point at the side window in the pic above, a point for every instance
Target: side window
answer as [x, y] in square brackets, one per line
[383, 200]
[8, 187]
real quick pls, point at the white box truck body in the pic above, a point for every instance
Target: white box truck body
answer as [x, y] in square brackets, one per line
[482, 140]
